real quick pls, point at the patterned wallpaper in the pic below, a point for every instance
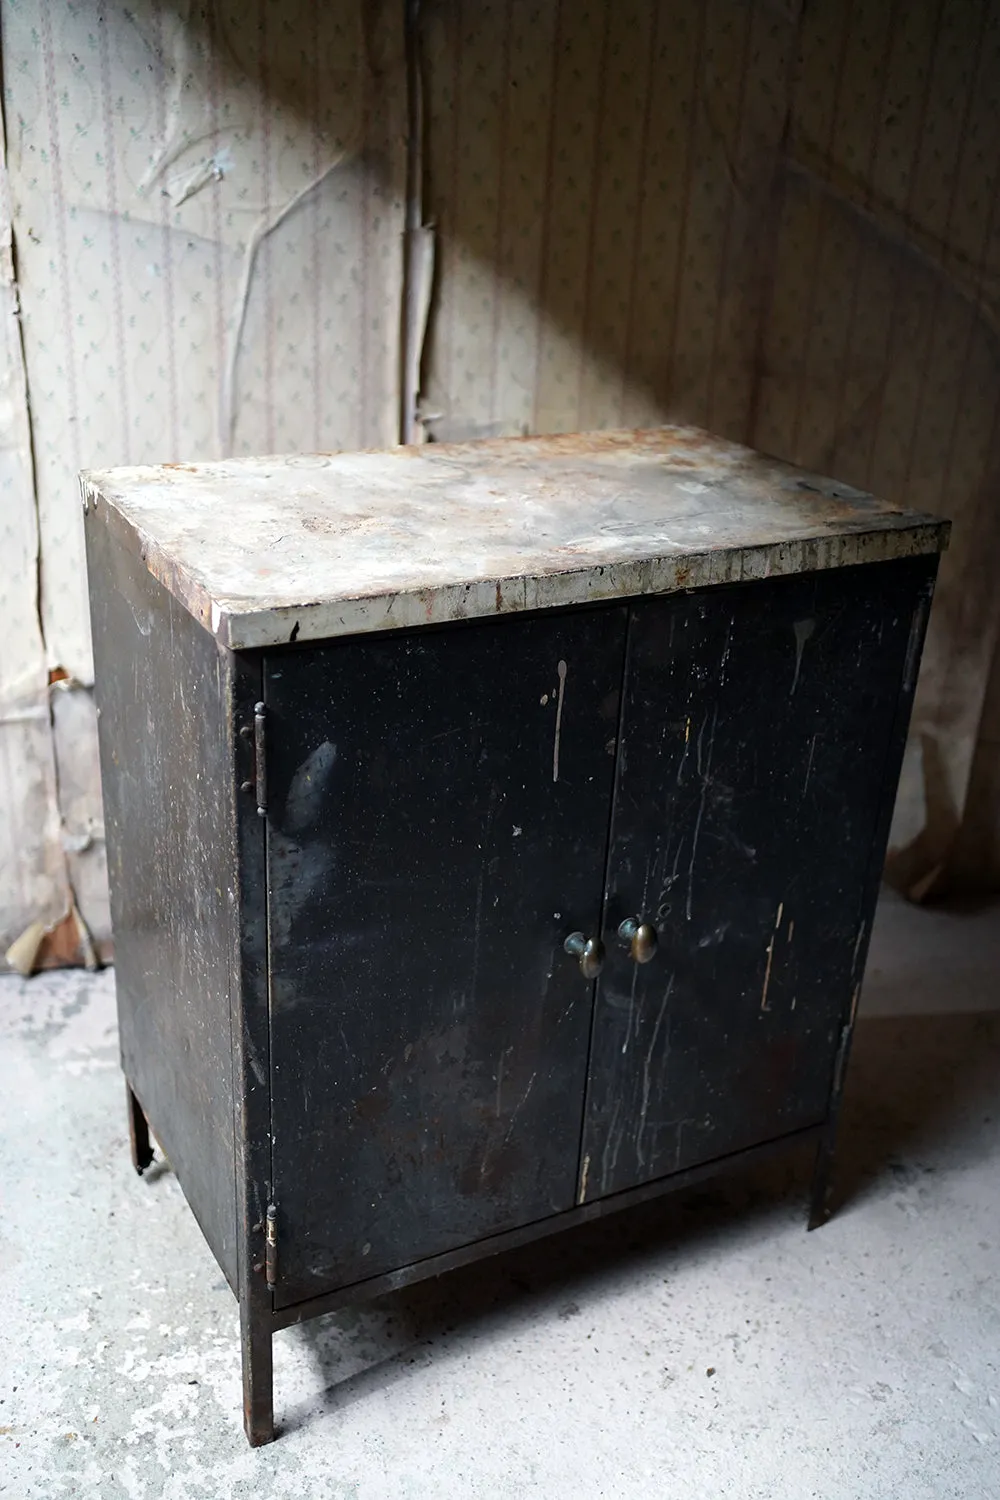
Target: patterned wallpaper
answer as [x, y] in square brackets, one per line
[31, 860]
[774, 219]
[206, 208]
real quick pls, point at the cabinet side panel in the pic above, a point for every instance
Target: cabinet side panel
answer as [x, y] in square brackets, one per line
[162, 694]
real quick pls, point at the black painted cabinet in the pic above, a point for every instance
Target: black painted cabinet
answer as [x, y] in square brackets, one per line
[446, 808]
[464, 890]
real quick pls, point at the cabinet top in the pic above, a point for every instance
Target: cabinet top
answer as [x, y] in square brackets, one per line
[263, 551]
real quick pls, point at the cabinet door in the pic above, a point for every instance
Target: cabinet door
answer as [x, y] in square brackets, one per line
[438, 813]
[755, 728]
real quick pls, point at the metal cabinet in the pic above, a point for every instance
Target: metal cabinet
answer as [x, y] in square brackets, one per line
[494, 835]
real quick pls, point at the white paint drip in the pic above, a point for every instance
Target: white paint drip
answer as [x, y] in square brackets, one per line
[504, 1055]
[770, 954]
[491, 809]
[609, 1158]
[803, 630]
[559, 709]
[518, 1107]
[646, 1081]
[631, 1009]
[704, 774]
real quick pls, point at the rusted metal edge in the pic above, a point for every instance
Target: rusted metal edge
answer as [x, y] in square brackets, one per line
[436, 1265]
[251, 1058]
[819, 1210]
[488, 598]
[259, 626]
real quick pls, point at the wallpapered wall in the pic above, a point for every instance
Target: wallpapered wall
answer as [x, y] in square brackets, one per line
[774, 219]
[207, 219]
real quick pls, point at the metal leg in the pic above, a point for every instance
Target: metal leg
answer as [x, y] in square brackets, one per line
[258, 1387]
[138, 1132]
[819, 1206]
[819, 1197]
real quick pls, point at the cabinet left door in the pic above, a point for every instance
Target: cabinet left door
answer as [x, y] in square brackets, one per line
[438, 809]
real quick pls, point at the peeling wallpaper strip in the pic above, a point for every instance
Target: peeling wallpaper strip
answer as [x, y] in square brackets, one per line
[32, 872]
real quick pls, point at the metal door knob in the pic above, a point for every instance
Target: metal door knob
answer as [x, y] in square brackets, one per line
[641, 938]
[590, 952]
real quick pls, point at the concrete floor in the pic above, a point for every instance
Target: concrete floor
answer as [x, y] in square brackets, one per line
[704, 1346]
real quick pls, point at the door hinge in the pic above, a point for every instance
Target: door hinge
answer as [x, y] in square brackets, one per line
[271, 1247]
[257, 736]
[260, 757]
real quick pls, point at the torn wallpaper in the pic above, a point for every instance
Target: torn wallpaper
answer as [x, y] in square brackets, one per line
[208, 212]
[32, 874]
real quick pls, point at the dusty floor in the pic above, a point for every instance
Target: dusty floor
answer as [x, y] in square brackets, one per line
[706, 1346]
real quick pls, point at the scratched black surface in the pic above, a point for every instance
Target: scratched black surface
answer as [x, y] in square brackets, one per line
[428, 1034]
[164, 694]
[755, 727]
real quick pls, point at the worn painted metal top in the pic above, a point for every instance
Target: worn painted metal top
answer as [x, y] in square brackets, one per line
[263, 551]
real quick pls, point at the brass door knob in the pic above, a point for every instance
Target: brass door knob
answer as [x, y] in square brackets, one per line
[590, 952]
[641, 938]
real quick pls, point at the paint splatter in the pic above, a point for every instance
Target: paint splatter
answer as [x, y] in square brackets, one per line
[559, 709]
[803, 630]
[770, 954]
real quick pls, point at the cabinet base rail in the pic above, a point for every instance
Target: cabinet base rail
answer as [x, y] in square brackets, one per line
[258, 1324]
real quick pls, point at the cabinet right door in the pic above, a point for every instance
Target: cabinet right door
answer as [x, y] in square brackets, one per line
[756, 723]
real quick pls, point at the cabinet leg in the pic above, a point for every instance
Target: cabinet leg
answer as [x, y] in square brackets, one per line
[819, 1196]
[258, 1385]
[138, 1132]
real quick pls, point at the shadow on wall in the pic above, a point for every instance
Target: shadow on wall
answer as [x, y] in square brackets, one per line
[775, 221]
